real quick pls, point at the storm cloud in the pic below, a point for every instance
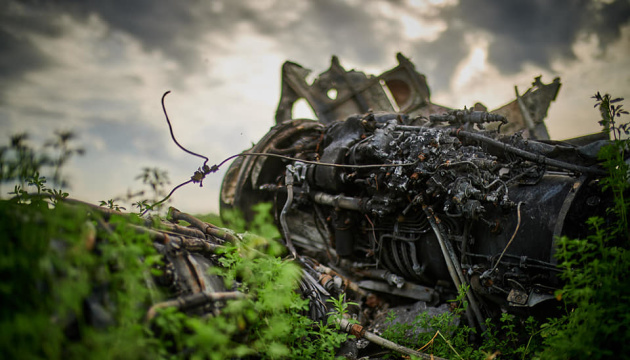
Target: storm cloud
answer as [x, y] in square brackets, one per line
[521, 31]
[536, 31]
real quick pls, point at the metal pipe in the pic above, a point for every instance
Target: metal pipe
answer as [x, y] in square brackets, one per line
[287, 205]
[538, 158]
[338, 201]
[447, 258]
[452, 265]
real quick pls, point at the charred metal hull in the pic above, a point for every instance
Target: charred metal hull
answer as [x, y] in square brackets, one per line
[420, 202]
[431, 206]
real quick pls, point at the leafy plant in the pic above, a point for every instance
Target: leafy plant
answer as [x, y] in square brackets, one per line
[442, 335]
[157, 180]
[596, 270]
[73, 285]
[71, 289]
[613, 158]
[424, 331]
[111, 204]
[609, 113]
[269, 323]
[145, 200]
[61, 144]
[20, 161]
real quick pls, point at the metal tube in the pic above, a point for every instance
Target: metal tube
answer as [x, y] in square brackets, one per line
[287, 205]
[338, 201]
[447, 258]
[453, 266]
[541, 159]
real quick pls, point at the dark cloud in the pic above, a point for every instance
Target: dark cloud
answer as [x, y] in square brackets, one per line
[308, 32]
[606, 20]
[17, 54]
[439, 59]
[523, 31]
[176, 28]
[535, 31]
[167, 26]
[322, 28]
[171, 27]
[350, 31]
[532, 31]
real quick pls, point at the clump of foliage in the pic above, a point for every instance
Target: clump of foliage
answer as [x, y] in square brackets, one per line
[431, 332]
[63, 150]
[254, 325]
[597, 269]
[442, 335]
[57, 261]
[52, 268]
[23, 165]
[270, 322]
[152, 198]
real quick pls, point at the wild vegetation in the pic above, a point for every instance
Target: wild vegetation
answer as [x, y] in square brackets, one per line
[597, 269]
[61, 262]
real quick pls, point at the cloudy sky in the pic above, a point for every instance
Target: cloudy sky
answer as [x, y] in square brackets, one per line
[99, 68]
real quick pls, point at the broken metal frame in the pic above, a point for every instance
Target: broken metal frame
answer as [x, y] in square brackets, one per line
[400, 90]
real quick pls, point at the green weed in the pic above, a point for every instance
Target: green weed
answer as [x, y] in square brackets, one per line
[596, 270]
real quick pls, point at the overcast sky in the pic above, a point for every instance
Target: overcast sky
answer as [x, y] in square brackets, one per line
[99, 68]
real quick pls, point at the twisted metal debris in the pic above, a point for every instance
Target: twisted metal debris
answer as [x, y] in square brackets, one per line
[416, 200]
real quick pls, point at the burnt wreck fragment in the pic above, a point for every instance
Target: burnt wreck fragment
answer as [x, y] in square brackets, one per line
[412, 200]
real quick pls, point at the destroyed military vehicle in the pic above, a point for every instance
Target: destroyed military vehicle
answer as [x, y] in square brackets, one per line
[414, 200]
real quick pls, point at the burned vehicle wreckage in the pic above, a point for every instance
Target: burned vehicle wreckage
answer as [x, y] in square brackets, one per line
[413, 200]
